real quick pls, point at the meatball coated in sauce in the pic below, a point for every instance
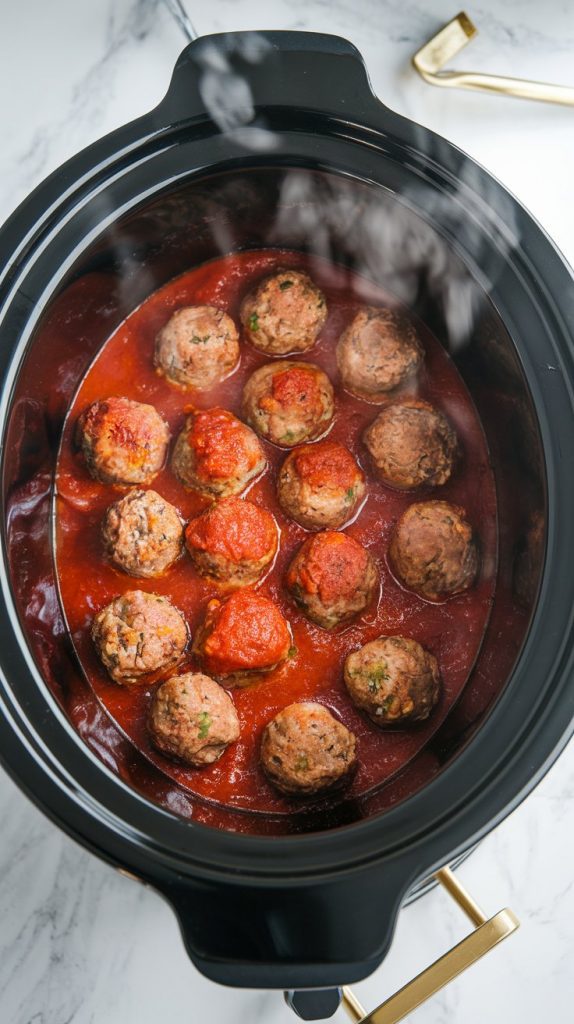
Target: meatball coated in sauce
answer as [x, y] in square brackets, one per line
[138, 634]
[332, 578]
[233, 542]
[197, 347]
[123, 442]
[433, 551]
[288, 402]
[216, 454]
[242, 636]
[284, 314]
[528, 562]
[192, 718]
[412, 444]
[320, 485]
[143, 534]
[377, 353]
[305, 750]
[393, 680]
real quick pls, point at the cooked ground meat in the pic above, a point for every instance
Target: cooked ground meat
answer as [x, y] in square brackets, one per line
[142, 533]
[394, 680]
[433, 551]
[123, 442]
[197, 347]
[377, 353]
[320, 485]
[412, 444]
[305, 750]
[233, 541]
[289, 403]
[192, 718]
[138, 634]
[284, 314]
[242, 636]
[216, 454]
[332, 578]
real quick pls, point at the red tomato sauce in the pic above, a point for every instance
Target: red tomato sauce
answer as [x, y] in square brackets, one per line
[452, 631]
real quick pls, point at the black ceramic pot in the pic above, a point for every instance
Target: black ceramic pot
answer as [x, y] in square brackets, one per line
[316, 907]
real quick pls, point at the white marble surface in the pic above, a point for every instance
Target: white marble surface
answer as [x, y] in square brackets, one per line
[78, 943]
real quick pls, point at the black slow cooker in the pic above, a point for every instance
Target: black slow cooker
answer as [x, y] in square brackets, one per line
[321, 165]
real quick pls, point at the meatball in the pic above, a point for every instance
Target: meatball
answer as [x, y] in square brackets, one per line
[242, 636]
[138, 634]
[143, 534]
[192, 718]
[284, 314]
[332, 578]
[197, 347]
[289, 403]
[433, 551]
[234, 541]
[377, 353]
[529, 561]
[320, 485]
[216, 454]
[123, 442]
[412, 444]
[394, 680]
[305, 750]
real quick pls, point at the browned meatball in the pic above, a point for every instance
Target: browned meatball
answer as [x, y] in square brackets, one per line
[216, 454]
[377, 353]
[143, 534]
[242, 636]
[320, 485]
[284, 314]
[332, 578]
[123, 442]
[305, 750]
[192, 718]
[233, 541]
[433, 551]
[289, 403]
[394, 680]
[528, 562]
[138, 634]
[197, 347]
[412, 444]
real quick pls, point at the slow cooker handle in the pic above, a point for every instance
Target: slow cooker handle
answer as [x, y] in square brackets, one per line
[303, 71]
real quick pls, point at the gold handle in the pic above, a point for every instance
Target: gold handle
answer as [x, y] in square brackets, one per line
[486, 935]
[431, 59]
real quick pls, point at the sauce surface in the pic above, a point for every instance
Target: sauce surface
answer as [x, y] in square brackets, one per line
[452, 631]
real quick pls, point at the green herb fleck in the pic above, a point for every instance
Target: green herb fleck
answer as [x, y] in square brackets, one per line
[350, 493]
[302, 763]
[204, 724]
[285, 285]
[254, 322]
[196, 340]
[385, 705]
[292, 652]
[289, 436]
[376, 676]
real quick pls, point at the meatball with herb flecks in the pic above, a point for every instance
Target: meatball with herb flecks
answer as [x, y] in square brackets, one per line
[332, 578]
[142, 534]
[305, 750]
[393, 680]
[289, 403]
[197, 347]
[433, 551]
[193, 719]
[412, 444]
[233, 541]
[123, 442]
[378, 353]
[320, 485]
[284, 314]
[242, 637]
[139, 634]
[216, 454]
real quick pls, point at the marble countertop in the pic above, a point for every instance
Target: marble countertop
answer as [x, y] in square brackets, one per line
[79, 943]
